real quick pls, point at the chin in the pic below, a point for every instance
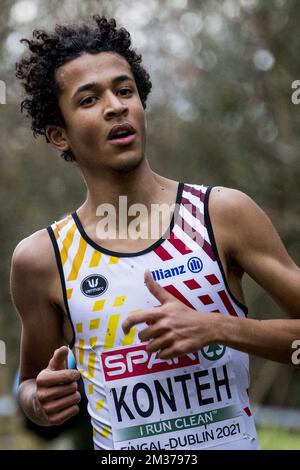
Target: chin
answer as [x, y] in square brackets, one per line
[126, 165]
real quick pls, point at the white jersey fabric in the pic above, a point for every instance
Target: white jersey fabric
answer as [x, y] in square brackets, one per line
[200, 401]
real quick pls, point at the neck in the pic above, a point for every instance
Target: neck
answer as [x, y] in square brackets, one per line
[140, 185]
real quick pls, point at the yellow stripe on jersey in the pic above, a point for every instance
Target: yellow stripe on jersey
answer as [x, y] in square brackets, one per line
[105, 432]
[95, 260]
[79, 327]
[77, 262]
[74, 352]
[56, 232]
[94, 324]
[91, 389]
[67, 242]
[99, 404]
[69, 293]
[129, 338]
[113, 260]
[81, 350]
[93, 341]
[111, 331]
[60, 225]
[98, 305]
[91, 365]
[119, 301]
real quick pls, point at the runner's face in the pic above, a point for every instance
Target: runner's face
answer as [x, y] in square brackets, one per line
[110, 98]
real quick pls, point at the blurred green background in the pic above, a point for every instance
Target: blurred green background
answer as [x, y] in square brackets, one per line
[220, 113]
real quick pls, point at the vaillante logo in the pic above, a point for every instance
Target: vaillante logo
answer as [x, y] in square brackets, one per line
[94, 285]
[93, 282]
[194, 265]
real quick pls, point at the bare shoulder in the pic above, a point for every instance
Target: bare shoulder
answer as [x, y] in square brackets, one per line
[238, 214]
[239, 222]
[245, 228]
[231, 203]
[34, 274]
[34, 254]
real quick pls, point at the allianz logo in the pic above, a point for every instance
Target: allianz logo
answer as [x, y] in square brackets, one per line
[194, 265]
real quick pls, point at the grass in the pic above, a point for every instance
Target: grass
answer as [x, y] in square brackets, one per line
[271, 438]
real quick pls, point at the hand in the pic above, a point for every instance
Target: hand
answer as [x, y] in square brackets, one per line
[173, 328]
[56, 396]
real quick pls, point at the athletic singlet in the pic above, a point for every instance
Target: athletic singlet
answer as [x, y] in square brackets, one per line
[135, 400]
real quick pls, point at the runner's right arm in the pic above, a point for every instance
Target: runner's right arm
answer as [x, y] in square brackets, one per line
[48, 390]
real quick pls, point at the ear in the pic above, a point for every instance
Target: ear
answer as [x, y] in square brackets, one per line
[58, 137]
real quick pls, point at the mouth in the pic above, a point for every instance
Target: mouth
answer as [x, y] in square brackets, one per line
[126, 140]
[122, 134]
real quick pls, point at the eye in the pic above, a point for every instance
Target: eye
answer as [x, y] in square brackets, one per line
[89, 100]
[125, 91]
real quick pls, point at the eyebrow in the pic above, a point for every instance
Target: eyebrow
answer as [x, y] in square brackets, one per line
[91, 85]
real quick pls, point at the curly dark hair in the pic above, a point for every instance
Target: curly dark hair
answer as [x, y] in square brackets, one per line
[50, 50]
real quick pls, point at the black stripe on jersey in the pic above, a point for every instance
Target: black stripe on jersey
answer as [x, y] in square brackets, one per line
[62, 279]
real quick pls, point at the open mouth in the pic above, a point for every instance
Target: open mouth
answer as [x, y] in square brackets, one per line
[122, 137]
[122, 134]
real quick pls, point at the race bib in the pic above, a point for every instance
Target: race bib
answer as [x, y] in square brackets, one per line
[184, 403]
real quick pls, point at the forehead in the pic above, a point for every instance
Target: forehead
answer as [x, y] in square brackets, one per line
[101, 68]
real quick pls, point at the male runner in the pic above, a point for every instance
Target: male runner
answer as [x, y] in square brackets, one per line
[170, 377]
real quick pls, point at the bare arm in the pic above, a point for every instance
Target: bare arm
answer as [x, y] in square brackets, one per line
[47, 392]
[250, 240]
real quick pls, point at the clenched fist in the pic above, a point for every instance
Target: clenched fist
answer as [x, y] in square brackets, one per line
[56, 395]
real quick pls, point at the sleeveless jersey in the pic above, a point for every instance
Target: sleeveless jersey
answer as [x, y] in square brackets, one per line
[140, 402]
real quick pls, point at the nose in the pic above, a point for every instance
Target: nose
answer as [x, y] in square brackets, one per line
[114, 107]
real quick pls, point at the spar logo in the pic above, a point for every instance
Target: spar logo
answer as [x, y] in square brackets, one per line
[213, 352]
[94, 285]
[136, 361]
